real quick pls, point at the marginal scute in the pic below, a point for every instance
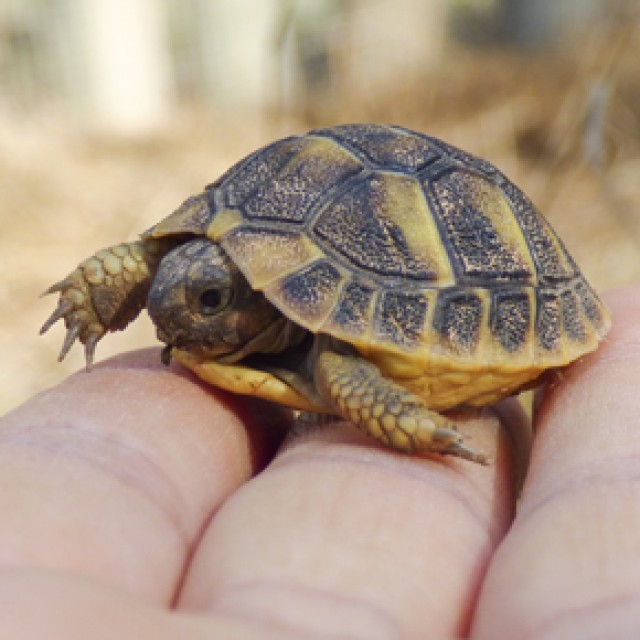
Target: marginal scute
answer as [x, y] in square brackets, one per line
[400, 317]
[571, 317]
[192, 216]
[351, 317]
[309, 295]
[591, 306]
[265, 255]
[510, 317]
[457, 320]
[548, 319]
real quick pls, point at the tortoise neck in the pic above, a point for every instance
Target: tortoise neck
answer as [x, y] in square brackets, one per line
[275, 338]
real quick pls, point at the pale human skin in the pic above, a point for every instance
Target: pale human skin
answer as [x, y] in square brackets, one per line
[127, 512]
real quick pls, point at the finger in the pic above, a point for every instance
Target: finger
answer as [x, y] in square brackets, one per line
[570, 566]
[341, 537]
[113, 474]
[36, 605]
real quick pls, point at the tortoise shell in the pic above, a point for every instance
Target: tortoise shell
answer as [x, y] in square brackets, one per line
[425, 258]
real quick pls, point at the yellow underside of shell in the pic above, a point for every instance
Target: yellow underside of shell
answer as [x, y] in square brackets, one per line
[441, 387]
[444, 386]
[245, 381]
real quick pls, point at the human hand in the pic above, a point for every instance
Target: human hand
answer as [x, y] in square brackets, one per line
[136, 504]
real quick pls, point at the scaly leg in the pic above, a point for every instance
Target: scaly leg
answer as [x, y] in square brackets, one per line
[357, 390]
[105, 292]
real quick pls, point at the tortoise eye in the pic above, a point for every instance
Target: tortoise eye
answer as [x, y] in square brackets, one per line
[213, 300]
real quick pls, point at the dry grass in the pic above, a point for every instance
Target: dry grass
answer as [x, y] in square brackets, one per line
[64, 195]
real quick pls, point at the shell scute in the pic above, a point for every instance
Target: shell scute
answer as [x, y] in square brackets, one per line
[244, 178]
[461, 158]
[457, 320]
[548, 319]
[305, 178]
[386, 147]
[400, 318]
[571, 317]
[479, 228]
[511, 318]
[552, 262]
[309, 294]
[351, 318]
[269, 254]
[382, 225]
[591, 307]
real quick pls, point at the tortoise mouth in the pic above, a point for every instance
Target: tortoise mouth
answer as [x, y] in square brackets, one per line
[295, 359]
[199, 349]
[281, 344]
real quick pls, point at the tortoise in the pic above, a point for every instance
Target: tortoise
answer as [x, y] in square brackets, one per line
[365, 271]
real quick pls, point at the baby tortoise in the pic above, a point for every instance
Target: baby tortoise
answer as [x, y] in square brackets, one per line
[365, 271]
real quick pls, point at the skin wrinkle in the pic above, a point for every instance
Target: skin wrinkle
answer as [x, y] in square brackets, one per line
[381, 619]
[191, 548]
[586, 614]
[193, 544]
[609, 471]
[357, 457]
[124, 462]
[159, 382]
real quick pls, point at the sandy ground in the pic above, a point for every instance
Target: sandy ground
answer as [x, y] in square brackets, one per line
[64, 195]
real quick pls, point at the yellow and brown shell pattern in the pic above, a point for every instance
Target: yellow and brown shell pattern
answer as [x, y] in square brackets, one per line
[421, 255]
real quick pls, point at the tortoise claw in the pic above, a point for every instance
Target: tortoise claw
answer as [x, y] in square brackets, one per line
[76, 309]
[454, 445]
[58, 287]
[69, 339]
[90, 348]
[63, 308]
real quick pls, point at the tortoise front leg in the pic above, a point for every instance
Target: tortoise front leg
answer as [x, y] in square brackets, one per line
[105, 292]
[386, 411]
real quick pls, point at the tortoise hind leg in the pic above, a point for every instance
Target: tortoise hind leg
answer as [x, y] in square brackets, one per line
[384, 410]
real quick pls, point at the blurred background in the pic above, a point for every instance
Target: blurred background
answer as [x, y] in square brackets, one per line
[111, 113]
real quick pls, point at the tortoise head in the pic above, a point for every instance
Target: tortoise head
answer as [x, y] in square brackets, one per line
[200, 302]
